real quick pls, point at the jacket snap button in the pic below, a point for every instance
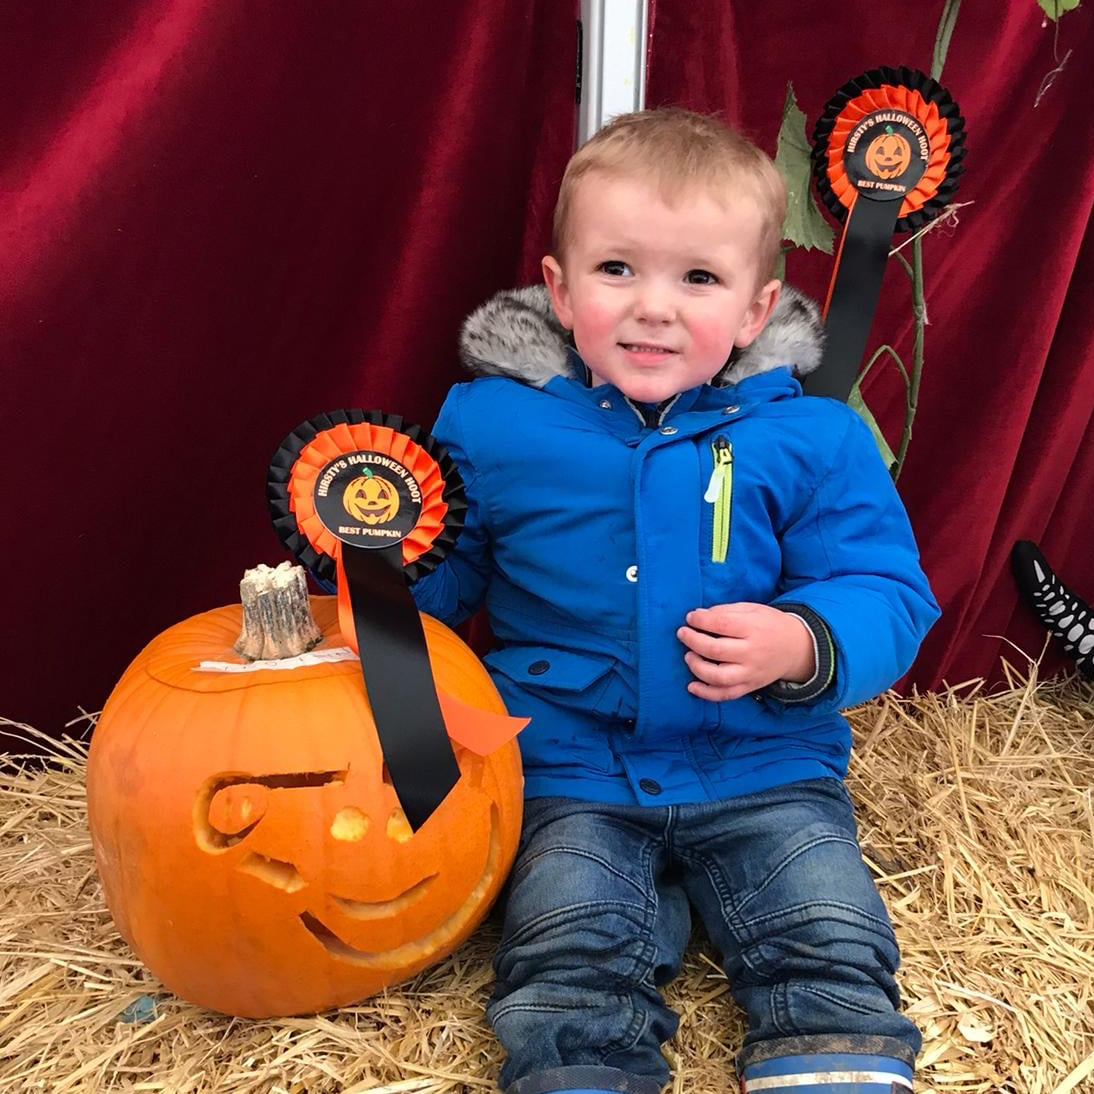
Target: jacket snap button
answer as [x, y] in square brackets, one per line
[632, 573]
[731, 410]
[628, 725]
[538, 668]
[668, 430]
[605, 404]
[648, 786]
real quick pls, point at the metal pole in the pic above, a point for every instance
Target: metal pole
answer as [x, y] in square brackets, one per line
[613, 62]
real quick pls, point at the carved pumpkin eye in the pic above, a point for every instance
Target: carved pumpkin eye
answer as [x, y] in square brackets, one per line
[398, 827]
[349, 824]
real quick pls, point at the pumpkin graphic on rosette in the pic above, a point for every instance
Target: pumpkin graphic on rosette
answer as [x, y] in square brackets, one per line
[255, 849]
[371, 499]
[888, 155]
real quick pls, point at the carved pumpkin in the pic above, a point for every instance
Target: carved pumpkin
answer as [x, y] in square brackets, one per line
[889, 155]
[250, 849]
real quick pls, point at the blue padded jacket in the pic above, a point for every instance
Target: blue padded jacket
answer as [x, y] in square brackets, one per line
[594, 525]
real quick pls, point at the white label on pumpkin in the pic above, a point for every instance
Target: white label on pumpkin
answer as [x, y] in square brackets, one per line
[315, 657]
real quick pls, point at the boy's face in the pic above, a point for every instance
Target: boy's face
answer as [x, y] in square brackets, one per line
[657, 295]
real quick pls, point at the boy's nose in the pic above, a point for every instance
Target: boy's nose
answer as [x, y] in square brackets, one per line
[654, 306]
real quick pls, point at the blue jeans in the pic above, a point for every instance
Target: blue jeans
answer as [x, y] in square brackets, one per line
[598, 915]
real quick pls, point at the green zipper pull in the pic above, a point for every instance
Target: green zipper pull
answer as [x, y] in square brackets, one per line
[723, 457]
[719, 493]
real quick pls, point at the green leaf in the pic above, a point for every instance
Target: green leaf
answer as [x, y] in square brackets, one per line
[804, 225]
[1055, 8]
[856, 403]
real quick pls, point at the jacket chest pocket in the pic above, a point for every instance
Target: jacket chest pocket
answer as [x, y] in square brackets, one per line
[586, 682]
[719, 496]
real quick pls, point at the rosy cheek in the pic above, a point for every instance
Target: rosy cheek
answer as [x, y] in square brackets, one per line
[711, 335]
[594, 324]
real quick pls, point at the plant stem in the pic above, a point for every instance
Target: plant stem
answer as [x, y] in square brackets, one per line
[896, 360]
[919, 314]
[942, 38]
[919, 306]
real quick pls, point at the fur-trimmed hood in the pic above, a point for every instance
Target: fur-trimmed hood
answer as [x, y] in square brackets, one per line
[517, 334]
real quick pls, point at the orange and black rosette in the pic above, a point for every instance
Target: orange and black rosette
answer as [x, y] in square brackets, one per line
[369, 501]
[888, 150]
[368, 479]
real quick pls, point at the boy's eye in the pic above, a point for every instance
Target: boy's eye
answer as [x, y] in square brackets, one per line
[614, 268]
[700, 277]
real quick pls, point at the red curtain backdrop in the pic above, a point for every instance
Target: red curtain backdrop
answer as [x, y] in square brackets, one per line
[219, 218]
[1002, 446]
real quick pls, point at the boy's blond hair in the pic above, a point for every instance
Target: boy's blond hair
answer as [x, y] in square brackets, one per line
[678, 150]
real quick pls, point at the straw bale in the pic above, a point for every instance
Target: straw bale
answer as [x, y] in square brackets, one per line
[975, 815]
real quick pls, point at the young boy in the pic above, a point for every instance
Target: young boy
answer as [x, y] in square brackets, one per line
[690, 569]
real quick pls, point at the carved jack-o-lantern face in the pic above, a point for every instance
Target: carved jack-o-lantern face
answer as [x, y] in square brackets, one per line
[371, 499]
[253, 852]
[889, 155]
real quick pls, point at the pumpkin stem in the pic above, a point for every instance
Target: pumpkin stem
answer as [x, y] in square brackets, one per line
[277, 619]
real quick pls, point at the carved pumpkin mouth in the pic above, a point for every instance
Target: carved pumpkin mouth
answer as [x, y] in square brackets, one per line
[381, 909]
[230, 806]
[402, 955]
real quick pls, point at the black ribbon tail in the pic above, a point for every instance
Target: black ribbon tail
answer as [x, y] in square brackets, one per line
[399, 681]
[863, 254]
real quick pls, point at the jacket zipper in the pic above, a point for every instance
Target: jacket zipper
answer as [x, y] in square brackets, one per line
[719, 493]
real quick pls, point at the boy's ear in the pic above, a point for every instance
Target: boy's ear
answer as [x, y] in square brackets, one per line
[759, 312]
[560, 295]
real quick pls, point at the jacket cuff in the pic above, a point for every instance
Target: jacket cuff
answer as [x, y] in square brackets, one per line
[824, 655]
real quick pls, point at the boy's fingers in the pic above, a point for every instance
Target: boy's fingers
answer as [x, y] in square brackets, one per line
[716, 673]
[729, 620]
[716, 694]
[713, 648]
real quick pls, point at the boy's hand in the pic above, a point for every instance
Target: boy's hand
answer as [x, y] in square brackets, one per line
[734, 649]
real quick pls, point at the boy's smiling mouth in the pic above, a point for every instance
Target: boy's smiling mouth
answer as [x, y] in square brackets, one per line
[645, 347]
